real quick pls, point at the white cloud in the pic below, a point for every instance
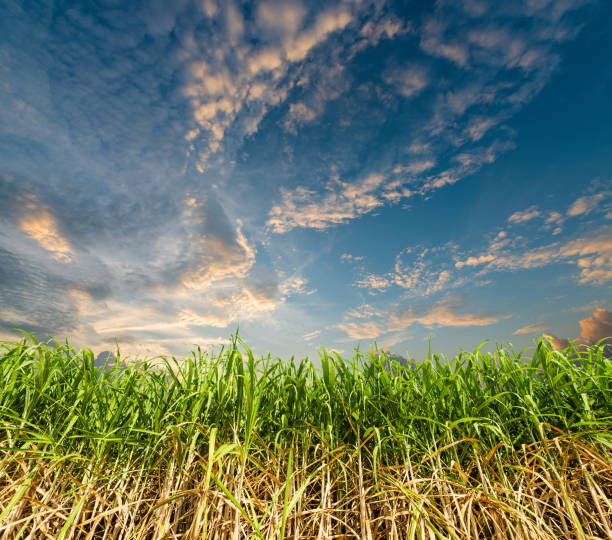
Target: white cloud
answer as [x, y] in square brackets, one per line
[479, 125]
[234, 22]
[210, 7]
[475, 261]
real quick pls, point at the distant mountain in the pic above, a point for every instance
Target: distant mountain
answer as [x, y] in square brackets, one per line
[105, 358]
[391, 358]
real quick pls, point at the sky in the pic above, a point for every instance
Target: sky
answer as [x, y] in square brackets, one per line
[330, 174]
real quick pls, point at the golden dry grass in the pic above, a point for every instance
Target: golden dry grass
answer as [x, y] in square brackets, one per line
[559, 488]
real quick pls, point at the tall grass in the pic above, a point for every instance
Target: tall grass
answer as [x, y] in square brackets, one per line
[229, 446]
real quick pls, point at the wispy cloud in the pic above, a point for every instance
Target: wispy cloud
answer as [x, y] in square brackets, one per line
[343, 201]
[348, 257]
[591, 253]
[420, 272]
[525, 215]
[446, 312]
[531, 328]
[312, 335]
[408, 80]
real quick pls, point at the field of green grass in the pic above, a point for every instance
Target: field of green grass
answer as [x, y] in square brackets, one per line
[510, 445]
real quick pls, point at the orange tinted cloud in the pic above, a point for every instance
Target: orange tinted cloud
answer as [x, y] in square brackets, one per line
[592, 254]
[586, 204]
[526, 215]
[358, 330]
[531, 328]
[443, 313]
[41, 225]
[598, 326]
[557, 343]
[594, 328]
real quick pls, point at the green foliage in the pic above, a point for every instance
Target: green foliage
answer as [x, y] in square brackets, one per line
[55, 400]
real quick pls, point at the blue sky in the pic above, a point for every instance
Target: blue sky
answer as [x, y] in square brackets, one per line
[319, 174]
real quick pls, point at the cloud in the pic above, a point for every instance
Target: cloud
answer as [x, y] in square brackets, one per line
[34, 296]
[591, 253]
[218, 249]
[409, 81]
[372, 281]
[525, 215]
[446, 312]
[362, 312]
[434, 42]
[475, 261]
[228, 305]
[347, 257]
[361, 330]
[597, 327]
[284, 17]
[39, 223]
[419, 275]
[443, 314]
[311, 335]
[332, 81]
[342, 201]
[585, 205]
[295, 285]
[531, 328]
[306, 208]
[554, 218]
[415, 167]
[387, 26]
[232, 85]
[170, 99]
[593, 329]
[594, 256]
[557, 343]
[332, 20]
[478, 127]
